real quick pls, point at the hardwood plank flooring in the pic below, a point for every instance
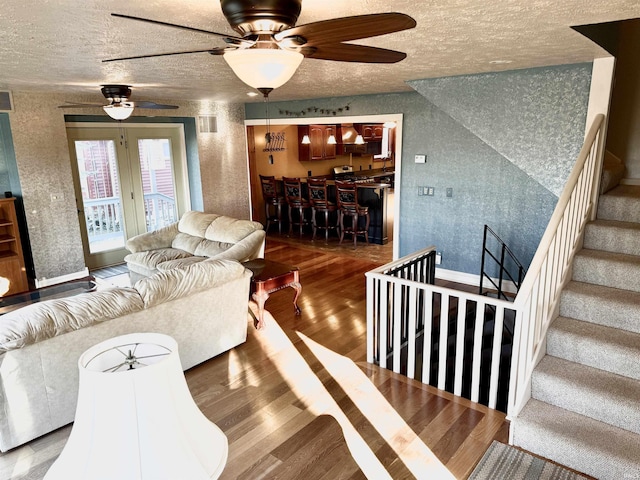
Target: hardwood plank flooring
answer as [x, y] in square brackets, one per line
[298, 399]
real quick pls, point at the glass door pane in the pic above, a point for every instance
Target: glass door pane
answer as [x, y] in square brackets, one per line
[101, 199]
[158, 185]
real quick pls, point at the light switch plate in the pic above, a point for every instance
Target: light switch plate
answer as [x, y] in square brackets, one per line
[420, 158]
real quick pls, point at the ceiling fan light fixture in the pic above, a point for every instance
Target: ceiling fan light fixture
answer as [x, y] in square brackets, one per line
[119, 111]
[263, 68]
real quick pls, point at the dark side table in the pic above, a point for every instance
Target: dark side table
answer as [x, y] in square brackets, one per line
[269, 277]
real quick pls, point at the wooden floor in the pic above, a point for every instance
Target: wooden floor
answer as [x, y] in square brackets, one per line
[293, 394]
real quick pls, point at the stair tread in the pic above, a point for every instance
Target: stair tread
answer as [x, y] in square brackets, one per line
[607, 293]
[613, 307]
[609, 256]
[626, 191]
[618, 270]
[579, 442]
[584, 389]
[615, 224]
[613, 236]
[600, 346]
[620, 203]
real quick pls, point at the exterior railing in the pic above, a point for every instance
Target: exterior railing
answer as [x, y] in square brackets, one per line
[160, 211]
[104, 218]
[472, 345]
[104, 215]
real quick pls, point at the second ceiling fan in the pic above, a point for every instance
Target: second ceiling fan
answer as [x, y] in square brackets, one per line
[271, 47]
[119, 106]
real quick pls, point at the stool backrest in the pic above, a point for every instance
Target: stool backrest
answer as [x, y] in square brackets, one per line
[347, 195]
[318, 192]
[269, 187]
[293, 190]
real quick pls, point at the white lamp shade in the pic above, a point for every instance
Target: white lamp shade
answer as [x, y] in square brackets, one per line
[140, 423]
[332, 140]
[305, 140]
[264, 68]
[359, 140]
[119, 111]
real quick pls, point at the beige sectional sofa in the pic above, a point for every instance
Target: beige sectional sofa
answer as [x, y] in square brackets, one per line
[196, 237]
[202, 306]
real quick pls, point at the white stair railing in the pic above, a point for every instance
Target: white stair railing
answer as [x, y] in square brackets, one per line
[472, 345]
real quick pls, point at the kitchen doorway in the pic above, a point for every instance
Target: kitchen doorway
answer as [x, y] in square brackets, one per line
[128, 180]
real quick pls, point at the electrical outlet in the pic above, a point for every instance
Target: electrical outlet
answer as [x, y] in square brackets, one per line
[420, 191]
[430, 191]
[449, 192]
[57, 197]
[438, 258]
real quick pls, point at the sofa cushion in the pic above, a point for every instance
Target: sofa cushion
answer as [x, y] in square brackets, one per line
[151, 258]
[186, 242]
[179, 263]
[168, 285]
[228, 230]
[42, 320]
[209, 248]
[196, 223]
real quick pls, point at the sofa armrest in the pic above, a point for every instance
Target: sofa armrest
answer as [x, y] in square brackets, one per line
[250, 247]
[160, 238]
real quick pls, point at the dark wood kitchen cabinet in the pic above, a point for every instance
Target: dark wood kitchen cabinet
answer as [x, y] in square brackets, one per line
[372, 132]
[319, 147]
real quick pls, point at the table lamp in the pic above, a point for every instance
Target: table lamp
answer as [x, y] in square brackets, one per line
[136, 419]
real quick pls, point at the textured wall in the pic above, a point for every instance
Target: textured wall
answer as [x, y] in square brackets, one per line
[488, 187]
[511, 112]
[41, 150]
[42, 155]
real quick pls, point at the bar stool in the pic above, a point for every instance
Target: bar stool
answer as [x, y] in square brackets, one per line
[295, 200]
[320, 203]
[272, 199]
[347, 196]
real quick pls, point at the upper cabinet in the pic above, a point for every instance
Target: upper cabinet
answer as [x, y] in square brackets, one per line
[319, 147]
[371, 132]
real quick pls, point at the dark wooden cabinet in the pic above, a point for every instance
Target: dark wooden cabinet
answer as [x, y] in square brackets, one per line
[12, 269]
[372, 132]
[319, 147]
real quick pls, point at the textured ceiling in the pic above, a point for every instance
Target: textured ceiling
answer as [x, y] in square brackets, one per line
[58, 45]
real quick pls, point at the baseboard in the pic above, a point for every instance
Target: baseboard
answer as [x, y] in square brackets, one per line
[470, 279]
[47, 282]
[630, 181]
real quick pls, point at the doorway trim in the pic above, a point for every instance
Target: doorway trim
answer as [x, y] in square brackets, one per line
[389, 117]
[122, 135]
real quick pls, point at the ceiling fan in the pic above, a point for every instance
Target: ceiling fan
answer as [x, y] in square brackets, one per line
[271, 47]
[119, 106]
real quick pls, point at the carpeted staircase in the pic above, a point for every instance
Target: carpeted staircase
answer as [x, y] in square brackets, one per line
[585, 407]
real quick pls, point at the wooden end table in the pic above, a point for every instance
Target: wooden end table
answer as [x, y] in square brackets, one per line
[269, 277]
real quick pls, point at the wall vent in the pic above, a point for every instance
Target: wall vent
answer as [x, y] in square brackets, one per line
[6, 101]
[207, 124]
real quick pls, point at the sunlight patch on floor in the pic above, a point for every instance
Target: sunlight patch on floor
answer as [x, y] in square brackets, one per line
[417, 457]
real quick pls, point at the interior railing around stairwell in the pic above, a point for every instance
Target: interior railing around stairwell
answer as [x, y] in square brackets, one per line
[460, 342]
[504, 260]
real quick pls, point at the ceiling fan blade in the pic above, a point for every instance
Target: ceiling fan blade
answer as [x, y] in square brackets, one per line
[228, 38]
[349, 28]
[347, 52]
[156, 106]
[81, 105]
[212, 51]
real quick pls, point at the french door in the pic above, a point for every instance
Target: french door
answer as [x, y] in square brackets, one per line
[128, 180]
